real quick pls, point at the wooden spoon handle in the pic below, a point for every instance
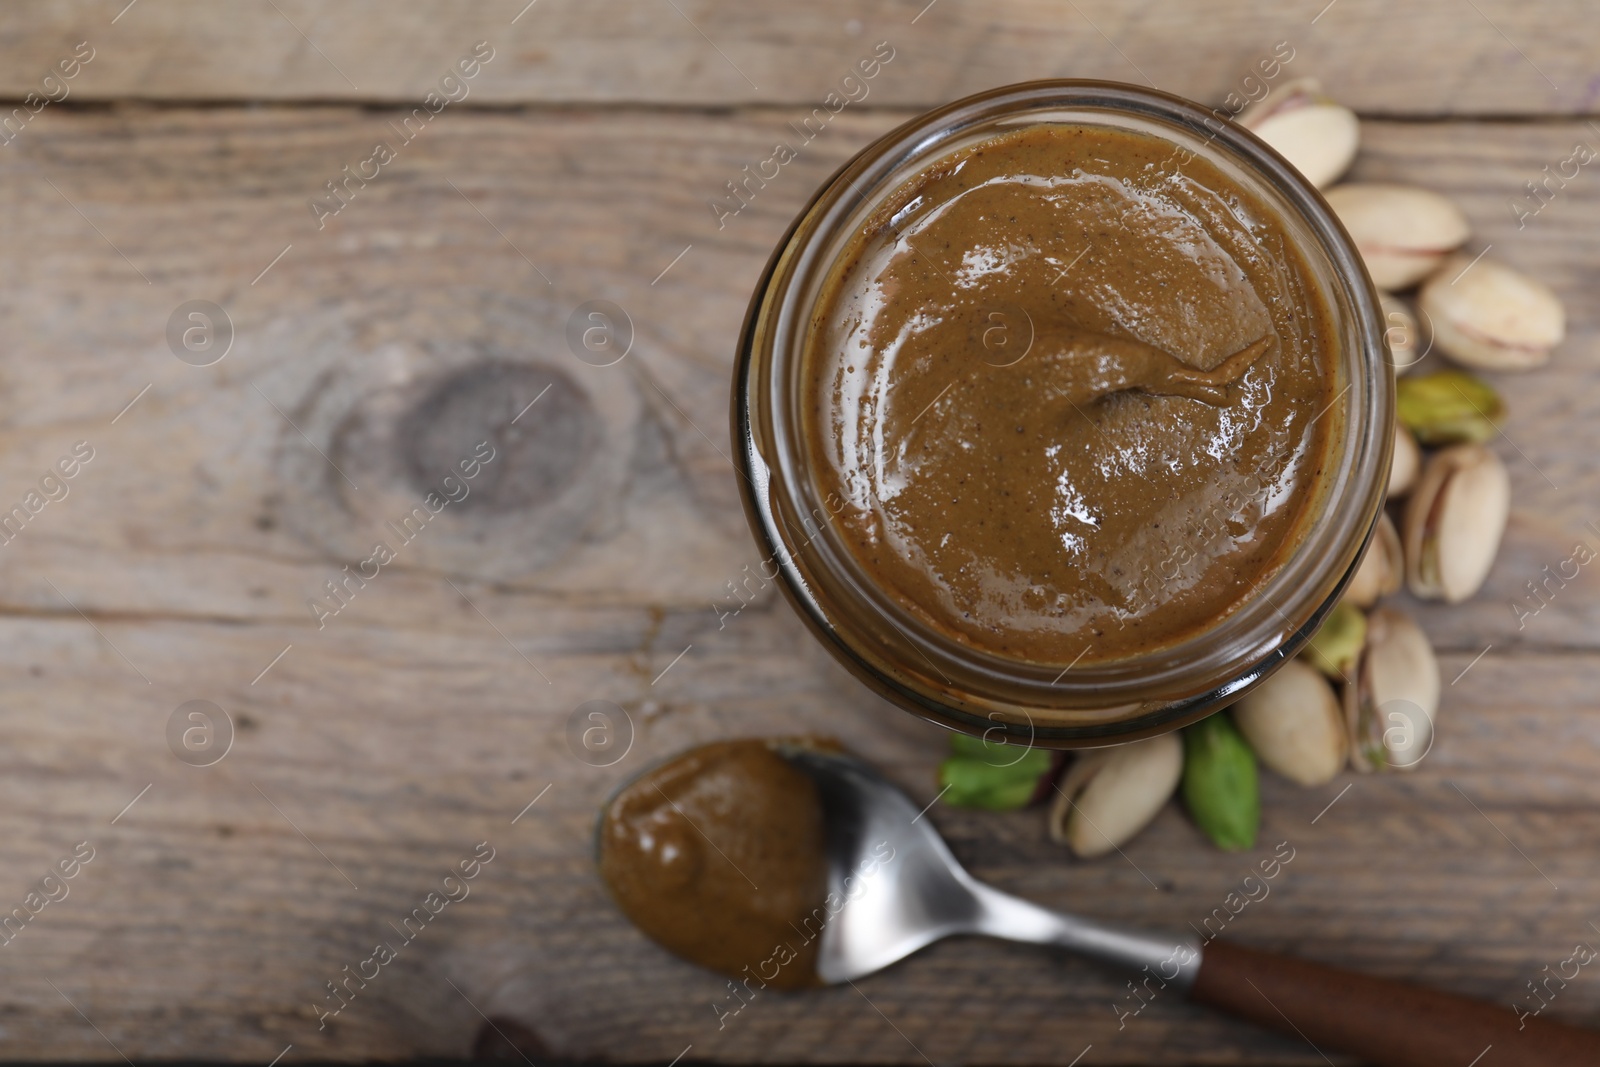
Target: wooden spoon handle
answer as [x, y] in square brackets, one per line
[1384, 1022]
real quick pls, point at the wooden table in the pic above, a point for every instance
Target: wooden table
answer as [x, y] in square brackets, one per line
[371, 754]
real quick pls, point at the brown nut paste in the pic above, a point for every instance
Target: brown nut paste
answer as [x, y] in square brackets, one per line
[1069, 393]
[718, 855]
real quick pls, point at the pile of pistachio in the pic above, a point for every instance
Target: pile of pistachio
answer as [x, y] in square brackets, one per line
[1366, 689]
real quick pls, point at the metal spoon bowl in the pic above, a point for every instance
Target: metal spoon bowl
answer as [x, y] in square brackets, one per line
[896, 903]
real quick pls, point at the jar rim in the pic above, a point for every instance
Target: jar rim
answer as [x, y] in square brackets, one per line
[1116, 700]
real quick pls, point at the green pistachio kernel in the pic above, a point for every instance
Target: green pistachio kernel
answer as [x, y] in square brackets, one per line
[990, 775]
[1448, 407]
[1334, 649]
[1220, 785]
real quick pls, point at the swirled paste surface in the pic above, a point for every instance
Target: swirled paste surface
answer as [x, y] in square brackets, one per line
[1067, 389]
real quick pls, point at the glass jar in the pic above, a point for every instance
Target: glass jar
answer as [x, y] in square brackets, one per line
[953, 683]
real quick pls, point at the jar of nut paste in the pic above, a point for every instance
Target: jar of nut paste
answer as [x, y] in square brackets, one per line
[1064, 413]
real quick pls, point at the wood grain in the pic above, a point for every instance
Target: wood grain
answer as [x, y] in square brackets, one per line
[424, 717]
[1427, 58]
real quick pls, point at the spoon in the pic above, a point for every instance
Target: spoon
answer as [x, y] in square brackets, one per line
[896, 902]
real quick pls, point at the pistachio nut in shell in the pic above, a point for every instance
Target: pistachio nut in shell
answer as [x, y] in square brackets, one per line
[1453, 522]
[1393, 696]
[1317, 136]
[1405, 463]
[1402, 232]
[1336, 644]
[1291, 94]
[1295, 723]
[1488, 316]
[1448, 407]
[1401, 333]
[1382, 569]
[1109, 794]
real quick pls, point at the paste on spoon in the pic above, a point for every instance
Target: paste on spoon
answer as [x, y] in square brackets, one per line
[719, 856]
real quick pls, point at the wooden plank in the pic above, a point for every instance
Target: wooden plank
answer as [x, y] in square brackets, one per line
[426, 715]
[1436, 57]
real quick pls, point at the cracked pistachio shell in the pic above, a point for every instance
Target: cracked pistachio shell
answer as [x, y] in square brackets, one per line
[1392, 698]
[1335, 646]
[1295, 723]
[1492, 317]
[1317, 136]
[1401, 333]
[1448, 407]
[1406, 462]
[1453, 523]
[1402, 232]
[1109, 794]
[1294, 93]
[1382, 569]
